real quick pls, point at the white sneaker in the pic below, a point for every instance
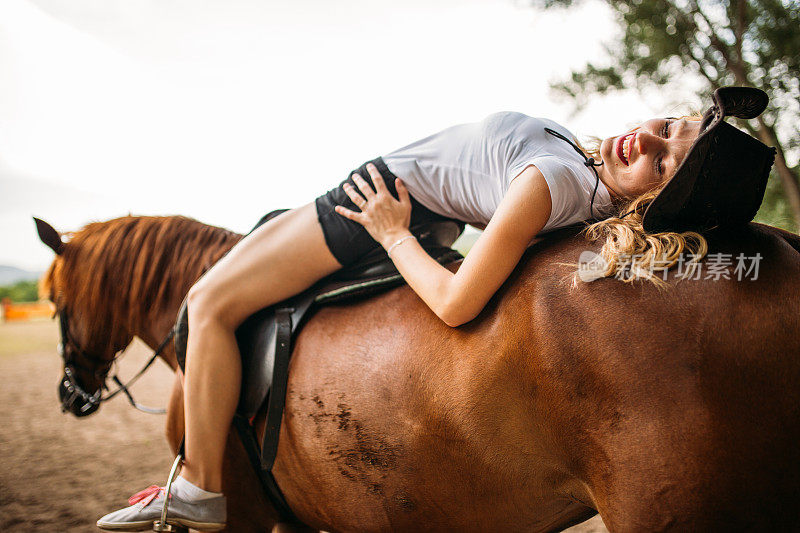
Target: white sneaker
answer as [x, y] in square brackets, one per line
[146, 506]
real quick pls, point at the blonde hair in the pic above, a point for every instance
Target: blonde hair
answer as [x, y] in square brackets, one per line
[630, 253]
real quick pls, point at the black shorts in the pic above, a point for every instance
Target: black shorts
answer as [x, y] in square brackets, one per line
[348, 240]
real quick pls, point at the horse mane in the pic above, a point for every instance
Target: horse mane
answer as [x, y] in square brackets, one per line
[130, 269]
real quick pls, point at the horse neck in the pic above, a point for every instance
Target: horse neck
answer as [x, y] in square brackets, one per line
[195, 255]
[158, 259]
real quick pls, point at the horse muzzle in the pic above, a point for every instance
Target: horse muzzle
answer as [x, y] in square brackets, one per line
[75, 400]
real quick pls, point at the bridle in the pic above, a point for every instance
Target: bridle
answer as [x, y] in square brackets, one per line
[100, 367]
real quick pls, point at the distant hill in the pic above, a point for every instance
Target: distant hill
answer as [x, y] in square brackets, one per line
[10, 275]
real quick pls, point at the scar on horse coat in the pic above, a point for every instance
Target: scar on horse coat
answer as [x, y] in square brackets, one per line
[661, 410]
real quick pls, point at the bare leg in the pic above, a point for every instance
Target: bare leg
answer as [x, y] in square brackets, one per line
[281, 258]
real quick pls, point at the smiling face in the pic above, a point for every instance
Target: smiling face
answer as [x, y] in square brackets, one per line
[647, 156]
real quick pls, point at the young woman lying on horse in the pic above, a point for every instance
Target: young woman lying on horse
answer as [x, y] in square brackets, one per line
[513, 175]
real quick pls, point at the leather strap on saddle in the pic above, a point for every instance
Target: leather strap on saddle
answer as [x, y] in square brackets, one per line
[277, 394]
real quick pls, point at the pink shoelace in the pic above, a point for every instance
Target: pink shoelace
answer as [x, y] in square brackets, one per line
[146, 496]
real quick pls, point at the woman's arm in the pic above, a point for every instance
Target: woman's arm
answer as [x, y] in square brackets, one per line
[456, 298]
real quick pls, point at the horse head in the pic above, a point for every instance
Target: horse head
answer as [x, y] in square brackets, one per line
[113, 280]
[90, 338]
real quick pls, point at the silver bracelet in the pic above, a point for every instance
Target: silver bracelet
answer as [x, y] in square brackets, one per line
[398, 243]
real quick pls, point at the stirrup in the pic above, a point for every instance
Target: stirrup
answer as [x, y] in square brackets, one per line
[161, 525]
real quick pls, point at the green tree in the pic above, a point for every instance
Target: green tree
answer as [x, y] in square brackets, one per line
[22, 291]
[716, 43]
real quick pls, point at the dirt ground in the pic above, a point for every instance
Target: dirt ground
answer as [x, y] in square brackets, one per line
[59, 473]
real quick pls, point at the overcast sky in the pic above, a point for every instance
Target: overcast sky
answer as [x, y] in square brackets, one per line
[224, 110]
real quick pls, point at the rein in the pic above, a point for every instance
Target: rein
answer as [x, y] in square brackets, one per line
[74, 388]
[123, 387]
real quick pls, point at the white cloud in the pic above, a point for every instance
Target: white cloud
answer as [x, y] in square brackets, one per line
[223, 110]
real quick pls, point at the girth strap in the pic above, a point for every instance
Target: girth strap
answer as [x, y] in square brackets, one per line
[268, 483]
[277, 393]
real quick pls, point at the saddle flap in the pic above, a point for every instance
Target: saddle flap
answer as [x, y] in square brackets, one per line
[256, 338]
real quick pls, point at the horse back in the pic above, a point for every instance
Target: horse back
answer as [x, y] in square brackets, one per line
[662, 409]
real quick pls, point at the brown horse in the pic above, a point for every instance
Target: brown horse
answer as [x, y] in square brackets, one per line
[674, 409]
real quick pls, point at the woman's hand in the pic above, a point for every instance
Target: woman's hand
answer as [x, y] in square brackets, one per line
[385, 218]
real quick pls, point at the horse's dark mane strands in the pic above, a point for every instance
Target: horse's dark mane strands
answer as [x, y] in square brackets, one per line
[116, 272]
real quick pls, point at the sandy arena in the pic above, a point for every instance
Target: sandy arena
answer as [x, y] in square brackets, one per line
[59, 473]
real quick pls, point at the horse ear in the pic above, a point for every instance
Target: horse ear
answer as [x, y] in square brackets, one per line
[49, 236]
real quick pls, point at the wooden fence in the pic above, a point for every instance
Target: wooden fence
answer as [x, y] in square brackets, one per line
[14, 312]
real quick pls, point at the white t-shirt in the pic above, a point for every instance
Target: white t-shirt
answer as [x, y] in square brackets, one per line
[464, 171]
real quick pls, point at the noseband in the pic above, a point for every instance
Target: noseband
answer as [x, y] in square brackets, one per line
[100, 368]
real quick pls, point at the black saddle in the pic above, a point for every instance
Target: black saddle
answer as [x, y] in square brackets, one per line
[265, 341]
